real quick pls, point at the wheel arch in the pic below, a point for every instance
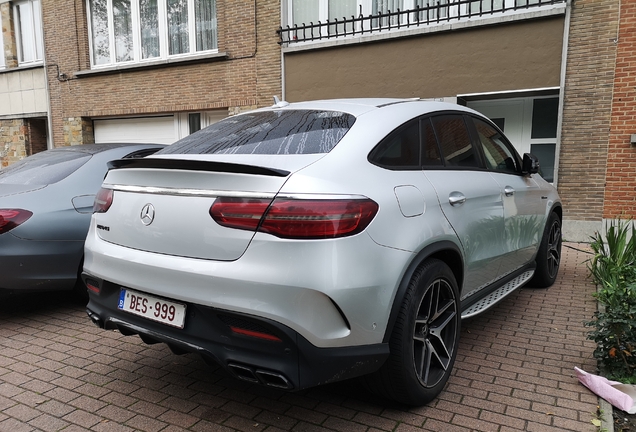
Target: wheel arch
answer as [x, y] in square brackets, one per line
[445, 251]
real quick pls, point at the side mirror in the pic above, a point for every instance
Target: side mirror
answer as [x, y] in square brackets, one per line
[530, 164]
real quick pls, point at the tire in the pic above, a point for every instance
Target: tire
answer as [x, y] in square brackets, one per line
[423, 345]
[549, 255]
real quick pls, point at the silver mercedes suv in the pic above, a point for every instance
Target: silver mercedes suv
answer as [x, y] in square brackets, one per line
[314, 242]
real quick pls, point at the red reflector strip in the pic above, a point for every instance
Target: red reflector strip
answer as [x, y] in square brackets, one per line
[255, 334]
[93, 288]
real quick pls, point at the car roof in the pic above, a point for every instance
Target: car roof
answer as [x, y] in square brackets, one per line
[98, 148]
[359, 106]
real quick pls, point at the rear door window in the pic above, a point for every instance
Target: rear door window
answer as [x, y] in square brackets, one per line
[454, 141]
[43, 168]
[268, 132]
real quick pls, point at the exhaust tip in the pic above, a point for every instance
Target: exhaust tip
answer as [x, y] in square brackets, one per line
[243, 372]
[95, 318]
[274, 379]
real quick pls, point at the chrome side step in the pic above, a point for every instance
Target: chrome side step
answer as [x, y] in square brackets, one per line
[497, 295]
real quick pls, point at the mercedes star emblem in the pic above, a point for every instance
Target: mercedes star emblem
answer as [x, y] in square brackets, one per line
[147, 214]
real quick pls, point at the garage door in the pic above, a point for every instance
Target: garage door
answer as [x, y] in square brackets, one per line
[155, 130]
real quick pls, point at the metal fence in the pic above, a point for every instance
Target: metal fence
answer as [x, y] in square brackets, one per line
[429, 12]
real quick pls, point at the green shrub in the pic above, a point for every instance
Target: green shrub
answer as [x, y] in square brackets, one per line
[613, 269]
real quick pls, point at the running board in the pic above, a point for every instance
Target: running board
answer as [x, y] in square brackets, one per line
[497, 295]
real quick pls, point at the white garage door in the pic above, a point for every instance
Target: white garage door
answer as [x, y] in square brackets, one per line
[155, 130]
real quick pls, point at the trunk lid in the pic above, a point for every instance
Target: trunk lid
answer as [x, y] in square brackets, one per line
[162, 205]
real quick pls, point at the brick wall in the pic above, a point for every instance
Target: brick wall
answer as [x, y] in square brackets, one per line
[8, 36]
[620, 191]
[587, 108]
[248, 77]
[13, 141]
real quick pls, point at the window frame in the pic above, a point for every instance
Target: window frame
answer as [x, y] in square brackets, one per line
[31, 37]
[162, 29]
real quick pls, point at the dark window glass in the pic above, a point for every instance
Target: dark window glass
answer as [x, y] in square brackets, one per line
[400, 149]
[499, 157]
[430, 155]
[545, 113]
[43, 168]
[269, 132]
[546, 155]
[194, 122]
[454, 141]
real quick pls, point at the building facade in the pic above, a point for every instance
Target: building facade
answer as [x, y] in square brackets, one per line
[24, 110]
[155, 70]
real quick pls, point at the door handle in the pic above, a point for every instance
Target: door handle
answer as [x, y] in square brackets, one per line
[456, 198]
[509, 191]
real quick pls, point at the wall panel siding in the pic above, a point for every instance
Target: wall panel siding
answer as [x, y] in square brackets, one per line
[497, 58]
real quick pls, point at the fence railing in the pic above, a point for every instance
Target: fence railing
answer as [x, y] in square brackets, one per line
[432, 12]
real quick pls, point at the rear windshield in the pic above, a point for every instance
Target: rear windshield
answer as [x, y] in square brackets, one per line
[271, 132]
[43, 168]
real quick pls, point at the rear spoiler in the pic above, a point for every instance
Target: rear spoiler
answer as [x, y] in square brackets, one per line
[195, 165]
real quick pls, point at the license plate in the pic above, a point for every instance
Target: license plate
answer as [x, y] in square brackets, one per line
[154, 308]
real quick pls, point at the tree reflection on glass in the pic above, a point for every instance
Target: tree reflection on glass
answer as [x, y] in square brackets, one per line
[122, 26]
[99, 27]
[205, 25]
[149, 17]
[178, 35]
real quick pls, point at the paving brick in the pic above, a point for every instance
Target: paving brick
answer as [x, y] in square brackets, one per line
[46, 422]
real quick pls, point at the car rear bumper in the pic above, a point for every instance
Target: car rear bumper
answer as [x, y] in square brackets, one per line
[290, 362]
[31, 265]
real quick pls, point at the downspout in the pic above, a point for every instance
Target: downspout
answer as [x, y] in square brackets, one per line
[564, 59]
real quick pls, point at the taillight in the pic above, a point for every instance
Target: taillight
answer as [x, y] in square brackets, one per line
[241, 213]
[11, 218]
[103, 200]
[296, 218]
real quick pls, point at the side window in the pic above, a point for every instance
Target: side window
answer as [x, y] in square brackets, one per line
[499, 157]
[430, 153]
[400, 150]
[454, 141]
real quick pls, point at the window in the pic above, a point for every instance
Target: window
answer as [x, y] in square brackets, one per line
[28, 20]
[454, 141]
[499, 157]
[138, 30]
[282, 132]
[43, 168]
[400, 149]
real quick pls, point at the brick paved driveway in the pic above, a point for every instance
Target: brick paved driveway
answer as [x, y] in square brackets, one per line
[514, 372]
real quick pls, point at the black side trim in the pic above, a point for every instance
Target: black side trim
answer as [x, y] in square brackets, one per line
[196, 165]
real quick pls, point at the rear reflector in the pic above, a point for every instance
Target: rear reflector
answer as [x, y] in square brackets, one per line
[255, 334]
[103, 200]
[11, 218]
[296, 218]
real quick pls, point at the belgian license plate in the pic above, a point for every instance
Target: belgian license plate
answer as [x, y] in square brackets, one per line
[154, 308]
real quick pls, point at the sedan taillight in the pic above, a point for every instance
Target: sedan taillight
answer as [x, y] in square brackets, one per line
[296, 218]
[103, 200]
[11, 218]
